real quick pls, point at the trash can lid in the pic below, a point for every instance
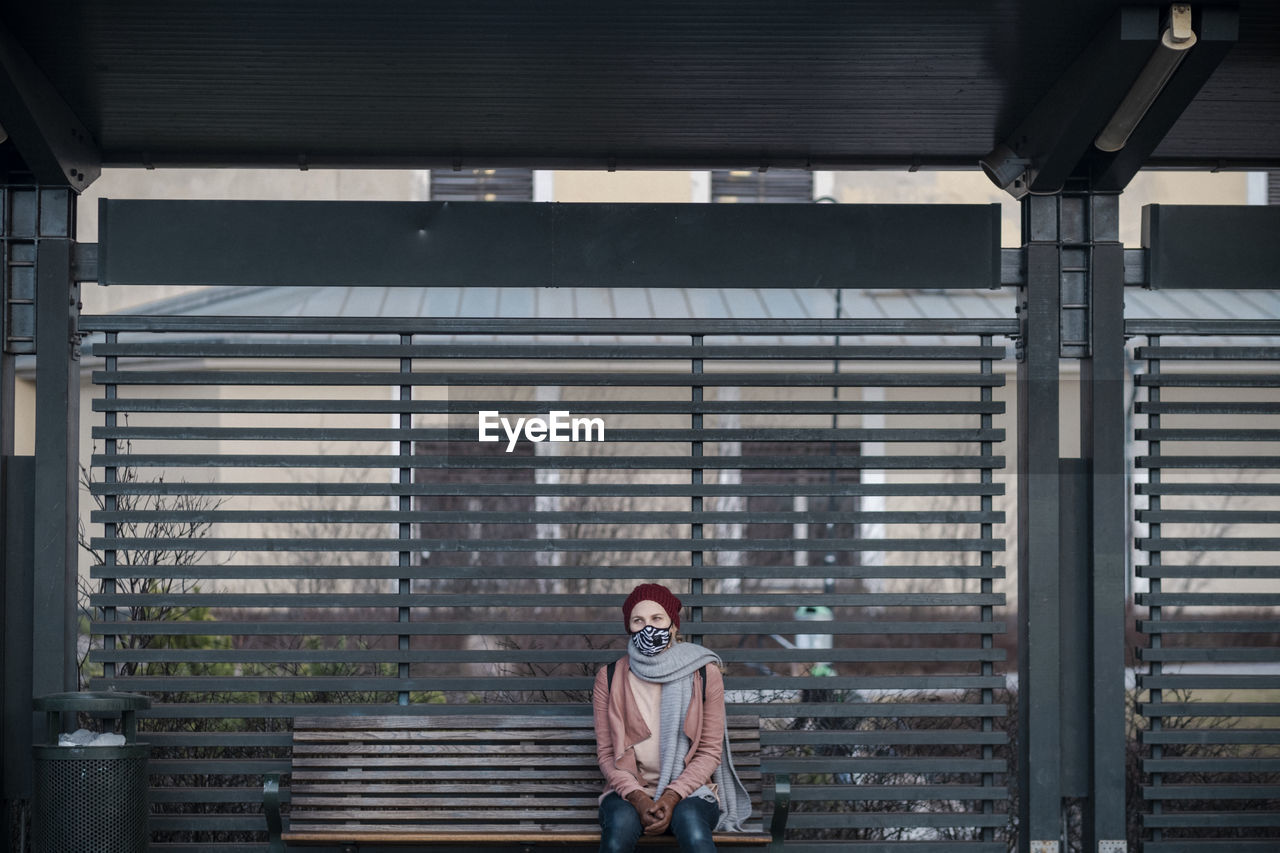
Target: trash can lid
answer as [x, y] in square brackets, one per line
[91, 701]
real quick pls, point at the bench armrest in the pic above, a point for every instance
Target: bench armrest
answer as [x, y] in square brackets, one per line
[271, 809]
[781, 809]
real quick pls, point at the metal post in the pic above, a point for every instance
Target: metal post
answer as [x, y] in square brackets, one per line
[38, 513]
[1102, 446]
[8, 384]
[110, 530]
[987, 612]
[17, 486]
[57, 459]
[1155, 636]
[1039, 734]
[405, 531]
[696, 557]
[1071, 599]
[18, 228]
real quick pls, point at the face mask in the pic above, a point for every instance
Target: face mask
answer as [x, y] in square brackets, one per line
[650, 641]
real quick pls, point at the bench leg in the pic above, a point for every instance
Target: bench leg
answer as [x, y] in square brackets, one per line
[781, 810]
[271, 809]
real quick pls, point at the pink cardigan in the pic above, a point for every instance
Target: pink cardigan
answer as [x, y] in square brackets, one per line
[619, 728]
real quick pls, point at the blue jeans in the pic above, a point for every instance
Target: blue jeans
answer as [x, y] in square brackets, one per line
[692, 822]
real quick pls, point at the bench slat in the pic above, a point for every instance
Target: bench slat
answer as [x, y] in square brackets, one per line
[744, 745]
[407, 797]
[534, 786]
[409, 774]
[475, 722]
[500, 757]
[412, 799]
[444, 735]
[448, 735]
[459, 761]
[443, 813]
[582, 775]
[413, 808]
[433, 761]
[485, 749]
[504, 835]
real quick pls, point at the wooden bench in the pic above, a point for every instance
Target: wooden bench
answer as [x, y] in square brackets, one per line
[457, 780]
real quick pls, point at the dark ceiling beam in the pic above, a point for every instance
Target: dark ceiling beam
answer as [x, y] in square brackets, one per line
[1217, 30]
[52, 141]
[1049, 143]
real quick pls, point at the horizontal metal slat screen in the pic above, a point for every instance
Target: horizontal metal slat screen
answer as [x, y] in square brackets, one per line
[1210, 503]
[292, 520]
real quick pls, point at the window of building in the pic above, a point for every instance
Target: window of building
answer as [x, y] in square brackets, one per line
[482, 185]
[751, 186]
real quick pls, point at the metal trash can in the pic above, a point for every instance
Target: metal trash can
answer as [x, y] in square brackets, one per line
[87, 798]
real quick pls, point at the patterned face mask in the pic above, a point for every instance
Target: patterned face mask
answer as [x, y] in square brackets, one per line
[650, 641]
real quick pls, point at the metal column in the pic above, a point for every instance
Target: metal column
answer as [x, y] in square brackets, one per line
[16, 491]
[1102, 447]
[1072, 525]
[1039, 706]
[38, 514]
[57, 457]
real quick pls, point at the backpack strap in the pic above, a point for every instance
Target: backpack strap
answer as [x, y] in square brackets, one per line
[702, 670]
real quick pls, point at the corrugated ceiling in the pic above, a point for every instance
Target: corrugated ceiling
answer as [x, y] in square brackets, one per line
[681, 83]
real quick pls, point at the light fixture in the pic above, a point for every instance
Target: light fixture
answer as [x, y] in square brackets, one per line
[1175, 41]
[1003, 165]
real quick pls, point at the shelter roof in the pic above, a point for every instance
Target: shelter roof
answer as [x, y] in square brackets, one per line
[675, 83]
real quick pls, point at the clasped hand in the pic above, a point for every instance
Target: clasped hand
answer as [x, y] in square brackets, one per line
[655, 816]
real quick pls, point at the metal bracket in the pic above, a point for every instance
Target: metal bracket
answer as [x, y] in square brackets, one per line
[84, 261]
[53, 142]
[1013, 266]
[781, 809]
[18, 298]
[30, 214]
[1074, 224]
[1113, 846]
[1020, 339]
[1044, 847]
[271, 811]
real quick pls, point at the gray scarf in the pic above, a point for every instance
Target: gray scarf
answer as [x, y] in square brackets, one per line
[674, 670]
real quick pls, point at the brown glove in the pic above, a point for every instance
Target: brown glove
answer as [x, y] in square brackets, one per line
[641, 801]
[657, 817]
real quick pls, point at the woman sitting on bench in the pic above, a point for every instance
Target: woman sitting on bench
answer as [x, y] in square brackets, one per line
[660, 735]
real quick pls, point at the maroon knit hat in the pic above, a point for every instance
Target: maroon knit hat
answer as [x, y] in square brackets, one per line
[654, 592]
